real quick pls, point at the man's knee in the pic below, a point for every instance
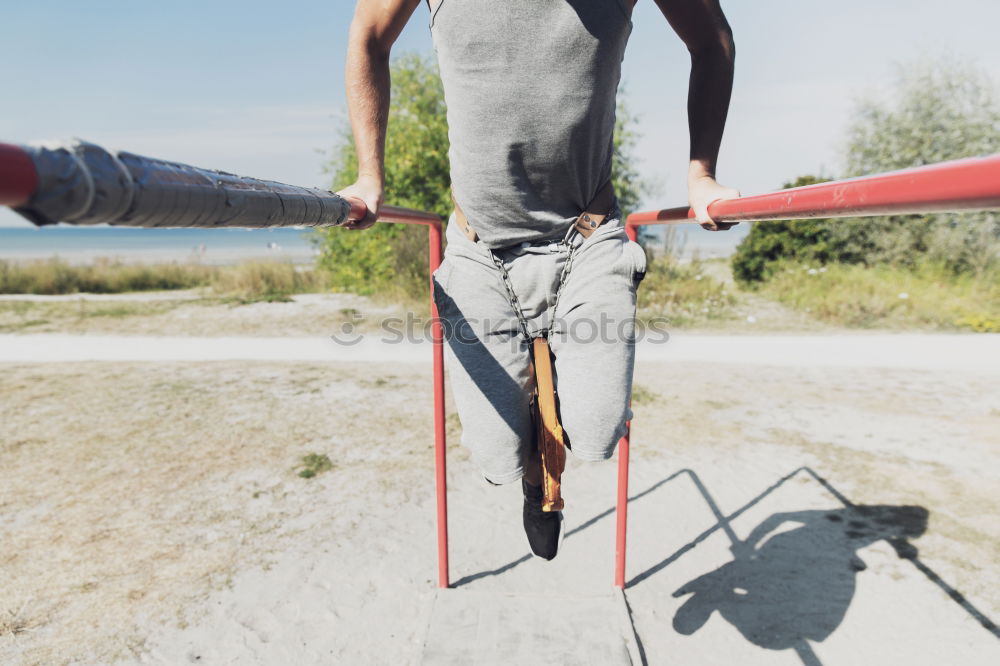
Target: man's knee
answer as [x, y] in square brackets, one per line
[500, 457]
[593, 435]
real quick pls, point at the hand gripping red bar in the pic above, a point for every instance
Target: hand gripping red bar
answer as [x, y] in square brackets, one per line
[969, 184]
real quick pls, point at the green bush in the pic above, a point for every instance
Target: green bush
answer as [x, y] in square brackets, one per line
[770, 243]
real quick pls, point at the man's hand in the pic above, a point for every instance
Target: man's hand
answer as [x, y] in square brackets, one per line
[703, 190]
[369, 190]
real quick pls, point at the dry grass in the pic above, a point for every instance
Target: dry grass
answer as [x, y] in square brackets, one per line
[856, 296]
[249, 281]
[685, 294]
[311, 314]
[104, 276]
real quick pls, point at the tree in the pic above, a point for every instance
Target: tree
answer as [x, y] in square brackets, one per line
[768, 243]
[392, 257]
[629, 185]
[936, 111]
[943, 110]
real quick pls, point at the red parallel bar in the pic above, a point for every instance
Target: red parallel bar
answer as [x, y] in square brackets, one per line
[18, 179]
[621, 511]
[394, 214]
[970, 184]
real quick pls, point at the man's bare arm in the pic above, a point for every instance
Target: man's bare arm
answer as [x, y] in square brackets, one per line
[703, 28]
[376, 25]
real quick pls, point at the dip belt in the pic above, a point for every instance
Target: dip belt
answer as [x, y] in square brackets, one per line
[549, 436]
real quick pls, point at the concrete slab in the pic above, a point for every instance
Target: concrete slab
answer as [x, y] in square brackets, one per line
[485, 628]
[791, 575]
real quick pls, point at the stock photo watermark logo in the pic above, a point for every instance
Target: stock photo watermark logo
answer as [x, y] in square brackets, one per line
[416, 329]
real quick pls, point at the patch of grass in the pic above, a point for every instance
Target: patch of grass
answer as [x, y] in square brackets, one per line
[266, 281]
[21, 325]
[642, 395]
[683, 293]
[16, 316]
[887, 296]
[117, 310]
[247, 282]
[15, 621]
[104, 276]
[979, 323]
[312, 464]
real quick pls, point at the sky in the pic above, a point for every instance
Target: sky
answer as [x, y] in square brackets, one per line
[257, 87]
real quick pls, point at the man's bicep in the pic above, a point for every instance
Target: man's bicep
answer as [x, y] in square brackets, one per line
[700, 24]
[380, 21]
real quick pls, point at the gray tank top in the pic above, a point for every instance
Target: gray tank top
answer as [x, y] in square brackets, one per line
[530, 87]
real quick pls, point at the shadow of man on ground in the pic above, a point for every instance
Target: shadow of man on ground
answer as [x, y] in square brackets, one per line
[787, 587]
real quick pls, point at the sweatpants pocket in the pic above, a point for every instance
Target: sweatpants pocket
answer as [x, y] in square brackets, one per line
[638, 261]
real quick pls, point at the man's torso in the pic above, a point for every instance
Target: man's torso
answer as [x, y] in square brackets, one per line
[530, 87]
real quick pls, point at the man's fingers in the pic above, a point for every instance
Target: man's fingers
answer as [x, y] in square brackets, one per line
[359, 209]
[361, 215]
[358, 225]
[718, 226]
[705, 218]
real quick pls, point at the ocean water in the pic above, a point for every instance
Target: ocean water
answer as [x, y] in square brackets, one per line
[227, 246]
[213, 246]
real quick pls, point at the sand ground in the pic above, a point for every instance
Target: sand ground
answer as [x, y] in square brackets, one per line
[807, 512]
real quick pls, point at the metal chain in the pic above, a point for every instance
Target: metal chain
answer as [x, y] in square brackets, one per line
[511, 296]
[562, 279]
[515, 304]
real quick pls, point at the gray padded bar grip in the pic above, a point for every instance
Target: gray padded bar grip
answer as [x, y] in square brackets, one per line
[82, 183]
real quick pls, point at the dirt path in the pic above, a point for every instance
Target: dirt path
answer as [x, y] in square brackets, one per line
[916, 351]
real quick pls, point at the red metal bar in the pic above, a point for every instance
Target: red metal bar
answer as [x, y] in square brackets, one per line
[621, 506]
[18, 179]
[970, 184]
[394, 214]
[621, 510]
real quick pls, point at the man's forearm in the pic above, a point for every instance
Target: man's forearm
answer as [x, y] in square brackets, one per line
[367, 82]
[709, 90]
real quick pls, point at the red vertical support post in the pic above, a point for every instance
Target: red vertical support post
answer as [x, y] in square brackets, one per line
[621, 510]
[394, 214]
[440, 467]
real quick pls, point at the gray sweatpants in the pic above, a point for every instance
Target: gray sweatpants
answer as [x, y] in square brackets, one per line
[591, 336]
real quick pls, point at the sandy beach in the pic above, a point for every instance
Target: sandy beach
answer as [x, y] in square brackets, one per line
[795, 499]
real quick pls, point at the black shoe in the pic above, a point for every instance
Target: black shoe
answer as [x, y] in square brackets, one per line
[541, 527]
